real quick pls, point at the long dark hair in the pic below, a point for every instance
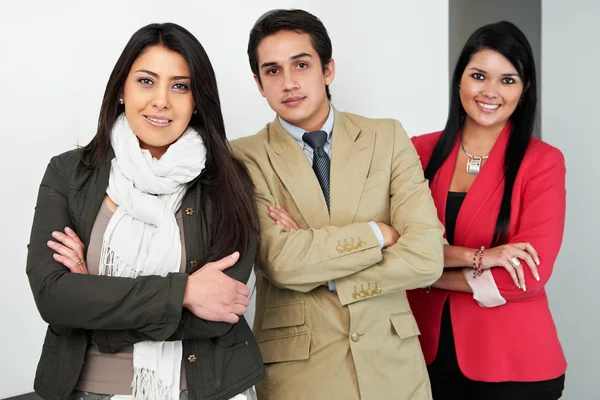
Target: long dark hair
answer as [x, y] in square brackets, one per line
[225, 180]
[275, 21]
[508, 40]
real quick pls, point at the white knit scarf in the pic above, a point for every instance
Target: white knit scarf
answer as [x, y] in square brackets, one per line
[142, 237]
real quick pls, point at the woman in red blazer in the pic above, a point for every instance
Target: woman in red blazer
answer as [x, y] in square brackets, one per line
[486, 328]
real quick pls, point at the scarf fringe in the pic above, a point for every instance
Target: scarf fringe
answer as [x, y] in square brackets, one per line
[147, 385]
[111, 265]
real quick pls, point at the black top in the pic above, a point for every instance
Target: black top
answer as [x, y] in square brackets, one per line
[446, 355]
[453, 204]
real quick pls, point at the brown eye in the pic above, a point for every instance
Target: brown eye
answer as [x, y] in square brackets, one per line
[181, 87]
[145, 81]
[508, 81]
[478, 76]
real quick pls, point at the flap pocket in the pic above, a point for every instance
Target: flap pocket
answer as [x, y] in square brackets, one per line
[285, 348]
[405, 325]
[55, 340]
[284, 315]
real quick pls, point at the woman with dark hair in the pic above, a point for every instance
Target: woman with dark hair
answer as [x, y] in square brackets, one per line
[143, 240]
[486, 329]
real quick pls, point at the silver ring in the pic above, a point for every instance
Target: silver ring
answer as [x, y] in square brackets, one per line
[514, 262]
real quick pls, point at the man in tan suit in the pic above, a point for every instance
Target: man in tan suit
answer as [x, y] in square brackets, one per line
[347, 226]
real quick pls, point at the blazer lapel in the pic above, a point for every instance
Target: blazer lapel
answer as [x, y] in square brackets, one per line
[86, 196]
[441, 184]
[350, 161]
[291, 165]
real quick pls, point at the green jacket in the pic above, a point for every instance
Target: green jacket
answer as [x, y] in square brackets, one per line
[221, 359]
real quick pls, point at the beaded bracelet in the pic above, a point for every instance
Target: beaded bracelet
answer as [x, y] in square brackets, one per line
[479, 261]
[477, 257]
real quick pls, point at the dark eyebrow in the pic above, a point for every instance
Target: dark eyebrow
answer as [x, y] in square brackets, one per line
[297, 56]
[268, 64]
[484, 72]
[301, 55]
[154, 74]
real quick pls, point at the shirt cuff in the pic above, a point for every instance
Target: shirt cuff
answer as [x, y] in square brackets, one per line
[485, 291]
[331, 285]
[377, 233]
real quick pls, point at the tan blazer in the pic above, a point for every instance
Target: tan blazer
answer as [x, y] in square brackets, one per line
[361, 341]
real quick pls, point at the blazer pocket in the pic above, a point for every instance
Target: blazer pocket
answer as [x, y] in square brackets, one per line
[55, 338]
[292, 347]
[375, 180]
[282, 343]
[283, 315]
[405, 325]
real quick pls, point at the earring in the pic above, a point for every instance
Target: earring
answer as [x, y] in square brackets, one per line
[195, 111]
[120, 100]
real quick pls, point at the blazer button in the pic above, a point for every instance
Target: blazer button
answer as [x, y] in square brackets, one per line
[193, 263]
[189, 211]
[340, 249]
[355, 296]
[192, 358]
[355, 337]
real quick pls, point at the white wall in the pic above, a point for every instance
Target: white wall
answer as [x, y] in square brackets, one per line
[55, 59]
[570, 90]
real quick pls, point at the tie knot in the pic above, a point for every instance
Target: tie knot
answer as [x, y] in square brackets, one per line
[315, 139]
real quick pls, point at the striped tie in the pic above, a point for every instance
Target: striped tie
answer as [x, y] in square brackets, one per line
[317, 140]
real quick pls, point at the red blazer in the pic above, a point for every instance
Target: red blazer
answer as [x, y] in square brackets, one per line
[517, 341]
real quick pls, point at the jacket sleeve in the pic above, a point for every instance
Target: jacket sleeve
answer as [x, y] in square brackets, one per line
[190, 326]
[304, 259]
[416, 260]
[151, 304]
[541, 223]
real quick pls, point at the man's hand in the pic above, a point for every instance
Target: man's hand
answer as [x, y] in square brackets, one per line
[390, 235]
[282, 218]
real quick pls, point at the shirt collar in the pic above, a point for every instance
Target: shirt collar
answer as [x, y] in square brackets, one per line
[297, 132]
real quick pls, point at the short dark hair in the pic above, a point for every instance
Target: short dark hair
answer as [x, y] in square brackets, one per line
[505, 38]
[300, 21]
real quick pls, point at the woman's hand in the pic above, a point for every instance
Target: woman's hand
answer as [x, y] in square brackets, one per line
[214, 296]
[509, 257]
[69, 250]
[282, 218]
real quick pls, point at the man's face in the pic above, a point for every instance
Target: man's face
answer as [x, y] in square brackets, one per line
[293, 80]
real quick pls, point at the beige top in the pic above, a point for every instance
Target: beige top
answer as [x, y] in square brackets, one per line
[112, 373]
